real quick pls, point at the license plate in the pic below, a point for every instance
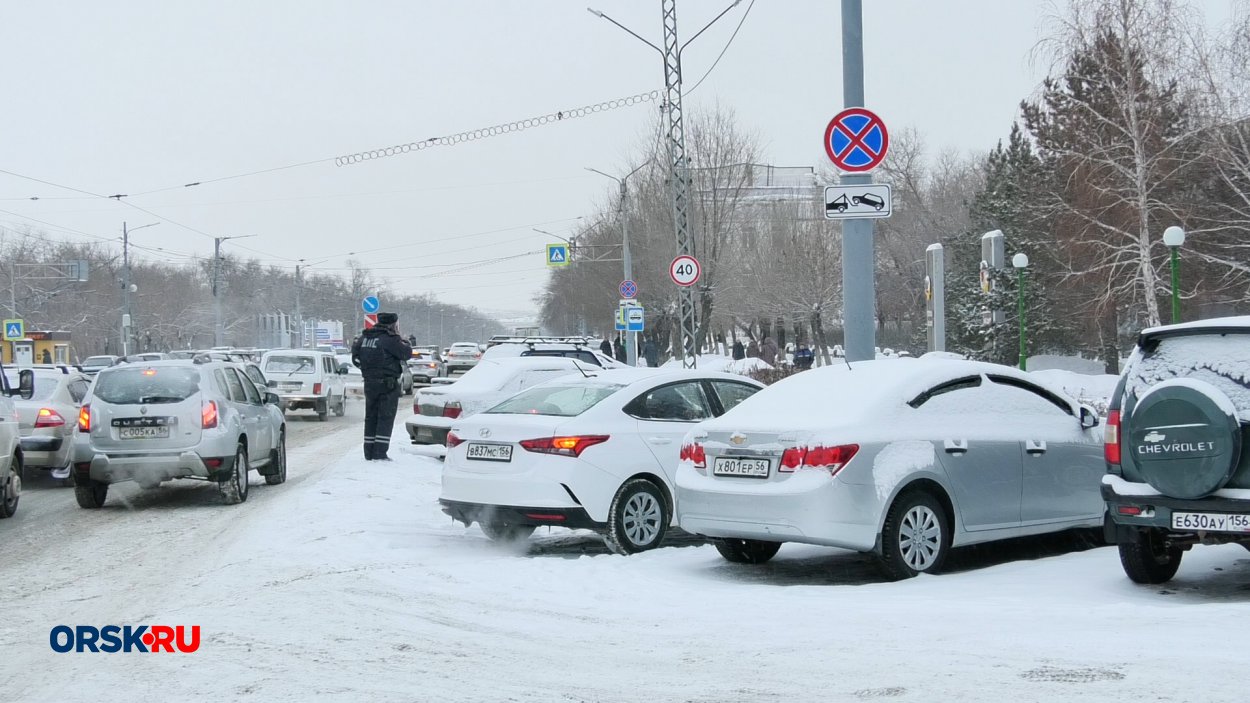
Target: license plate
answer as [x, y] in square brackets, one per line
[143, 432]
[1211, 522]
[489, 452]
[749, 468]
[292, 386]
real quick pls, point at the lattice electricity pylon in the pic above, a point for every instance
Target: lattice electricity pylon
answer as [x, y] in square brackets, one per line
[678, 175]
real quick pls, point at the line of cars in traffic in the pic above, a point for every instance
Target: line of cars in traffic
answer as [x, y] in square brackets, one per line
[901, 458]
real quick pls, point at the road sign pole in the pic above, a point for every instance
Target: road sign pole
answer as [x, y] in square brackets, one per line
[630, 341]
[858, 257]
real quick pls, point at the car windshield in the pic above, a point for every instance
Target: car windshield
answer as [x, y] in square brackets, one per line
[98, 361]
[45, 386]
[135, 385]
[560, 401]
[1223, 360]
[290, 364]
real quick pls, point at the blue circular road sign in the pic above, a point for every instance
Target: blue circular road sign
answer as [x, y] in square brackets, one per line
[370, 304]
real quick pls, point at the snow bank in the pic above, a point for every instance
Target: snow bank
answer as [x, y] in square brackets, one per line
[717, 362]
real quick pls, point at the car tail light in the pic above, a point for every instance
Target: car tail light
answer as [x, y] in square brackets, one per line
[695, 454]
[84, 419]
[416, 408]
[213, 463]
[564, 446]
[831, 459]
[1128, 510]
[48, 417]
[316, 389]
[208, 415]
[451, 410]
[453, 439]
[1111, 438]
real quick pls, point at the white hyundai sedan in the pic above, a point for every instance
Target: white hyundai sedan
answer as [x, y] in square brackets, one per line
[594, 452]
[903, 458]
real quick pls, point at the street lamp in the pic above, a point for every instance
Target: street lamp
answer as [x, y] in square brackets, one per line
[1021, 262]
[631, 346]
[127, 286]
[1174, 237]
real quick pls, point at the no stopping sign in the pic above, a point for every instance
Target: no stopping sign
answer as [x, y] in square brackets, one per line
[685, 270]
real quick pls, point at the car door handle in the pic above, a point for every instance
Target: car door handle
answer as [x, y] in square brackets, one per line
[1035, 447]
[659, 440]
[955, 446]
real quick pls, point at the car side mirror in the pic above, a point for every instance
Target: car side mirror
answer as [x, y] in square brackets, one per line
[26, 384]
[1089, 418]
[272, 399]
[343, 369]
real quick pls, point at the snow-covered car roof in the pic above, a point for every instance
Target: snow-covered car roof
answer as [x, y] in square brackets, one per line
[627, 376]
[1239, 321]
[490, 374]
[843, 394]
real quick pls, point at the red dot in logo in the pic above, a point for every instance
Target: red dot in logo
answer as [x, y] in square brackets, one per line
[148, 638]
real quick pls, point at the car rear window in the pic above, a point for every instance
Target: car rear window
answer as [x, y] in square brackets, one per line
[1223, 360]
[136, 385]
[560, 401]
[290, 364]
[98, 361]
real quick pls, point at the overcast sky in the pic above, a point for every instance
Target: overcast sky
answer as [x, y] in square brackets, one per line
[130, 97]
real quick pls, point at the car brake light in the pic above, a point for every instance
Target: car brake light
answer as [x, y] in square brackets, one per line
[1111, 438]
[48, 417]
[84, 419]
[564, 446]
[453, 439]
[451, 410]
[208, 415]
[694, 454]
[316, 389]
[830, 459]
[1128, 510]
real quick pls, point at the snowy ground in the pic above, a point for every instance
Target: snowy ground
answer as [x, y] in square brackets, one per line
[349, 584]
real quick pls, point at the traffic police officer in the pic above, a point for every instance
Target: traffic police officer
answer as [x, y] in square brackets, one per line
[379, 352]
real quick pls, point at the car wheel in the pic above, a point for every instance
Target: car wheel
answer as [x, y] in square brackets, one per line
[323, 409]
[92, 495]
[340, 408]
[279, 460]
[747, 551]
[1147, 558]
[12, 488]
[506, 534]
[638, 517]
[234, 488]
[916, 536]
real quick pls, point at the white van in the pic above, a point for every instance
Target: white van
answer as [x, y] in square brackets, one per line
[303, 379]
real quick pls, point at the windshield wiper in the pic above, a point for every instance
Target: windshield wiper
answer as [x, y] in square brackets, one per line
[303, 365]
[145, 399]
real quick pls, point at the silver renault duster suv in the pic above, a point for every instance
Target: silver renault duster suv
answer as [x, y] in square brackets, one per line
[163, 420]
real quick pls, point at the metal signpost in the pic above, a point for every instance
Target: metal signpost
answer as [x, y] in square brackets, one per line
[935, 296]
[992, 259]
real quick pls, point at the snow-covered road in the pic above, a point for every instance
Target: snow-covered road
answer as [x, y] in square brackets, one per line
[347, 583]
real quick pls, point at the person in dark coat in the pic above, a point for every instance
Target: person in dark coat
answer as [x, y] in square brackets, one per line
[768, 351]
[803, 357]
[753, 349]
[738, 351]
[606, 347]
[619, 350]
[379, 352]
[651, 352]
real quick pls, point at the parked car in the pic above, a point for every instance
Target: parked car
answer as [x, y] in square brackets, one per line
[594, 452]
[143, 357]
[176, 419]
[488, 383]
[462, 356]
[48, 417]
[306, 380]
[426, 365]
[93, 364]
[581, 348]
[903, 458]
[11, 454]
[1178, 446]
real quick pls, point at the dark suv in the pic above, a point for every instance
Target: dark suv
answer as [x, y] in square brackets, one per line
[1177, 474]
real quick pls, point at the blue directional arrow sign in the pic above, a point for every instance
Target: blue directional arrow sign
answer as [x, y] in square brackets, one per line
[557, 254]
[14, 329]
[370, 304]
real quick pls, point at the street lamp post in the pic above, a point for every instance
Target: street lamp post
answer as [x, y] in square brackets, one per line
[631, 343]
[1021, 262]
[219, 329]
[1174, 237]
[127, 286]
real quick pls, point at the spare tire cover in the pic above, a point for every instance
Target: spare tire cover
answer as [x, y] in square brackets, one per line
[1184, 438]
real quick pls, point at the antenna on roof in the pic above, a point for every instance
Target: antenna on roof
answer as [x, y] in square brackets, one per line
[848, 363]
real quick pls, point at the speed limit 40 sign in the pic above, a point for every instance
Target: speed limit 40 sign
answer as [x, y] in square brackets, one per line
[685, 270]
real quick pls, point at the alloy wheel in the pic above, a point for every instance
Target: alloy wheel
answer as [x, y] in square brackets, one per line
[919, 537]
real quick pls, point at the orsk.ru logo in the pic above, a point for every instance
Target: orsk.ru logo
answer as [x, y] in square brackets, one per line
[129, 638]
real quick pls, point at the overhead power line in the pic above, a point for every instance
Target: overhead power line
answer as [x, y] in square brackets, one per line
[722, 51]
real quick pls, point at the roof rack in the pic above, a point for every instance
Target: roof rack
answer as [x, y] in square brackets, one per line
[532, 340]
[64, 368]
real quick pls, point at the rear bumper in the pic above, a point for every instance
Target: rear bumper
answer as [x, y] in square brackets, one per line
[297, 402]
[1161, 507]
[45, 451]
[424, 429]
[41, 444]
[519, 515]
[150, 467]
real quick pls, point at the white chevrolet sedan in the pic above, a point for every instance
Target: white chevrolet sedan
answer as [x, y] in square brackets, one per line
[594, 452]
[903, 458]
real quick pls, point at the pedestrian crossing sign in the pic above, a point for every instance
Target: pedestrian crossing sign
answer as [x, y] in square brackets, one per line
[14, 329]
[557, 254]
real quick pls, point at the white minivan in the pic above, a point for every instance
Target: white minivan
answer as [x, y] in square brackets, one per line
[306, 379]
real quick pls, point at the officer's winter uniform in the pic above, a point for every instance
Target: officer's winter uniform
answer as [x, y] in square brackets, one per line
[379, 352]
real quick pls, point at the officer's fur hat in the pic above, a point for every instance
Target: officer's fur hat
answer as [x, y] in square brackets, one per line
[387, 318]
